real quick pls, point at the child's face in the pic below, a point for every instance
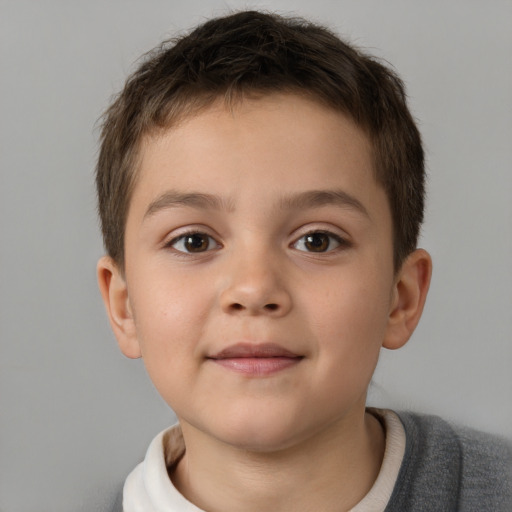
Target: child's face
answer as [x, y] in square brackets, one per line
[252, 233]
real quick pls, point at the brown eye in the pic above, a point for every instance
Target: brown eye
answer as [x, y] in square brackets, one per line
[318, 241]
[193, 243]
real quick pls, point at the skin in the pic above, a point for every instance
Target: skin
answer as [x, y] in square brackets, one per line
[332, 300]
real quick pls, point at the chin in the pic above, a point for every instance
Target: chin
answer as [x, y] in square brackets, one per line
[260, 435]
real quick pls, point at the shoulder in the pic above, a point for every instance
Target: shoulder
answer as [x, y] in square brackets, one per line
[486, 468]
[447, 467]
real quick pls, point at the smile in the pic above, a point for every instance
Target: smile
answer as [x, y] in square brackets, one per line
[256, 360]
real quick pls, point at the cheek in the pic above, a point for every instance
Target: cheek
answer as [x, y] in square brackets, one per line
[349, 355]
[350, 323]
[169, 318]
[168, 336]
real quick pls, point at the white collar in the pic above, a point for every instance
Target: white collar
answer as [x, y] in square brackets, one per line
[148, 488]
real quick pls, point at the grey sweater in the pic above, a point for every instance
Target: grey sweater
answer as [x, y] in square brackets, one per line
[447, 469]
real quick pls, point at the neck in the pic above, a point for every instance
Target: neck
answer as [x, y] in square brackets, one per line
[332, 470]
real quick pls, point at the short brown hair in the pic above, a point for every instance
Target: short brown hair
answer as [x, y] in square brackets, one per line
[250, 53]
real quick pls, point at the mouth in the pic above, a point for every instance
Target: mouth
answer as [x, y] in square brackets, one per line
[256, 359]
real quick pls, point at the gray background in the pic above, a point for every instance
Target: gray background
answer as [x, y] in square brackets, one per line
[75, 415]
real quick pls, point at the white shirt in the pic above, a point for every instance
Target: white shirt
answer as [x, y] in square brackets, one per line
[148, 487]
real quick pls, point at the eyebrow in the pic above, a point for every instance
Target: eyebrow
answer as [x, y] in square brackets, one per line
[301, 201]
[318, 198]
[174, 199]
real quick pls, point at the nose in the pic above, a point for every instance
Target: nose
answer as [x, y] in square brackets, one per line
[255, 285]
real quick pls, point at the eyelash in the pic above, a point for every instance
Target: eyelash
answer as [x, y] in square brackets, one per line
[213, 244]
[190, 234]
[341, 242]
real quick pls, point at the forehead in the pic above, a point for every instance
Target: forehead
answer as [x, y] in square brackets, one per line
[282, 137]
[266, 164]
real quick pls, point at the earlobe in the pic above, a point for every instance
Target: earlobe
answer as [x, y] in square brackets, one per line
[114, 292]
[409, 295]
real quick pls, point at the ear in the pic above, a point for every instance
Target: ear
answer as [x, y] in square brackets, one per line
[114, 292]
[409, 295]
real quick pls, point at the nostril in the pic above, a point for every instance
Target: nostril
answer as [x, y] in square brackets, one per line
[237, 306]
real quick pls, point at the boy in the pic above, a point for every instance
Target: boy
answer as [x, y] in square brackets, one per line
[261, 190]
